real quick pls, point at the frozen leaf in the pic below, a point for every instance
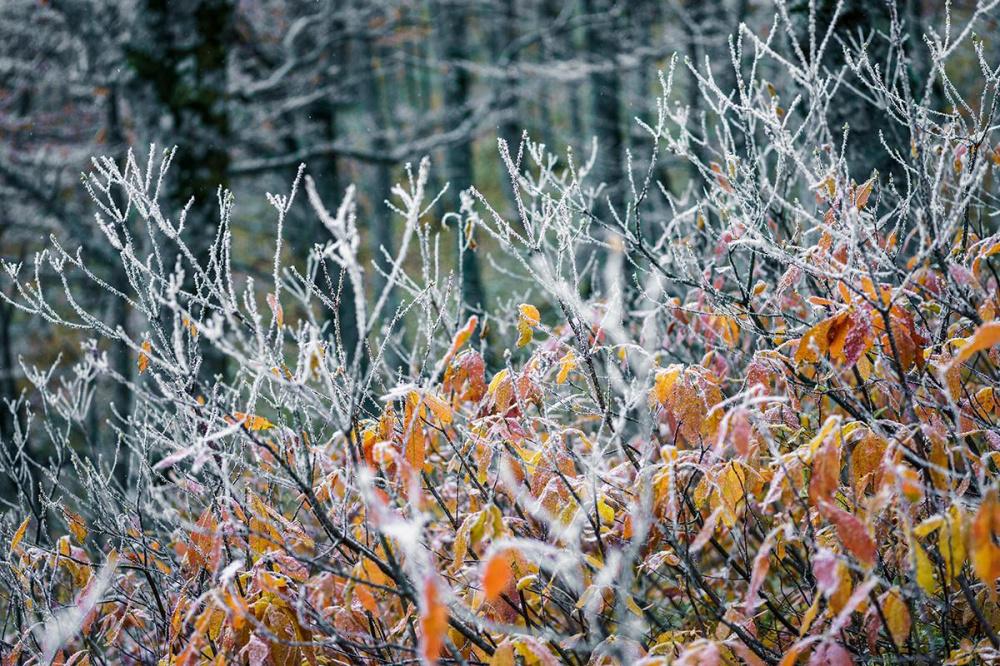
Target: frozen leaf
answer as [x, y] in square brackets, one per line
[985, 337]
[461, 337]
[528, 318]
[143, 362]
[825, 472]
[852, 532]
[276, 310]
[19, 534]
[830, 653]
[76, 525]
[862, 193]
[951, 542]
[983, 538]
[566, 365]
[252, 422]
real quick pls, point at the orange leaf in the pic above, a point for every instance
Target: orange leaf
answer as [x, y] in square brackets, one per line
[143, 362]
[76, 525]
[497, 575]
[985, 553]
[862, 193]
[413, 434]
[866, 460]
[985, 337]
[825, 472]
[433, 622]
[252, 421]
[852, 532]
[461, 337]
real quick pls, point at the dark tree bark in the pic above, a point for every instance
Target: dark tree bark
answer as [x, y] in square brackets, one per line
[605, 100]
[180, 57]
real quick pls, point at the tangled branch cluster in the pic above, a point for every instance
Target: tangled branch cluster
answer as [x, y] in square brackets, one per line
[753, 424]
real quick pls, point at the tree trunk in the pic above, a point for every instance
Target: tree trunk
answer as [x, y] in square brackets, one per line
[452, 24]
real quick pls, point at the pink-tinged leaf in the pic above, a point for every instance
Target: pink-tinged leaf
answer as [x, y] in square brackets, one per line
[859, 337]
[257, 652]
[761, 564]
[706, 531]
[825, 571]
[774, 490]
[700, 653]
[830, 653]
[174, 458]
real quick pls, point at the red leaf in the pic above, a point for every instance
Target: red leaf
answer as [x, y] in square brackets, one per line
[852, 532]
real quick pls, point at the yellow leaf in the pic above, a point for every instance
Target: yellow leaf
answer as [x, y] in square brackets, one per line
[529, 313]
[951, 542]
[924, 569]
[809, 616]
[528, 317]
[440, 408]
[604, 510]
[566, 365]
[897, 616]
[504, 655]
[19, 534]
[143, 362]
[252, 421]
[928, 525]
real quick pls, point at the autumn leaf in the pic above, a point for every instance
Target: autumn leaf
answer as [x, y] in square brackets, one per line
[866, 460]
[19, 534]
[461, 337]
[983, 535]
[76, 525]
[528, 318]
[497, 574]
[986, 336]
[433, 622]
[566, 365]
[252, 422]
[825, 477]
[276, 310]
[720, 177]
[924, 568]
[897, 616]
[852, 532]
[827, 337]
[830, 653]
[143, 362]
[862, 193]
[688, 396]
[951, 542]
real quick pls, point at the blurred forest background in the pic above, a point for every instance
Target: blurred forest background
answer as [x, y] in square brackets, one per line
[249, 89]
